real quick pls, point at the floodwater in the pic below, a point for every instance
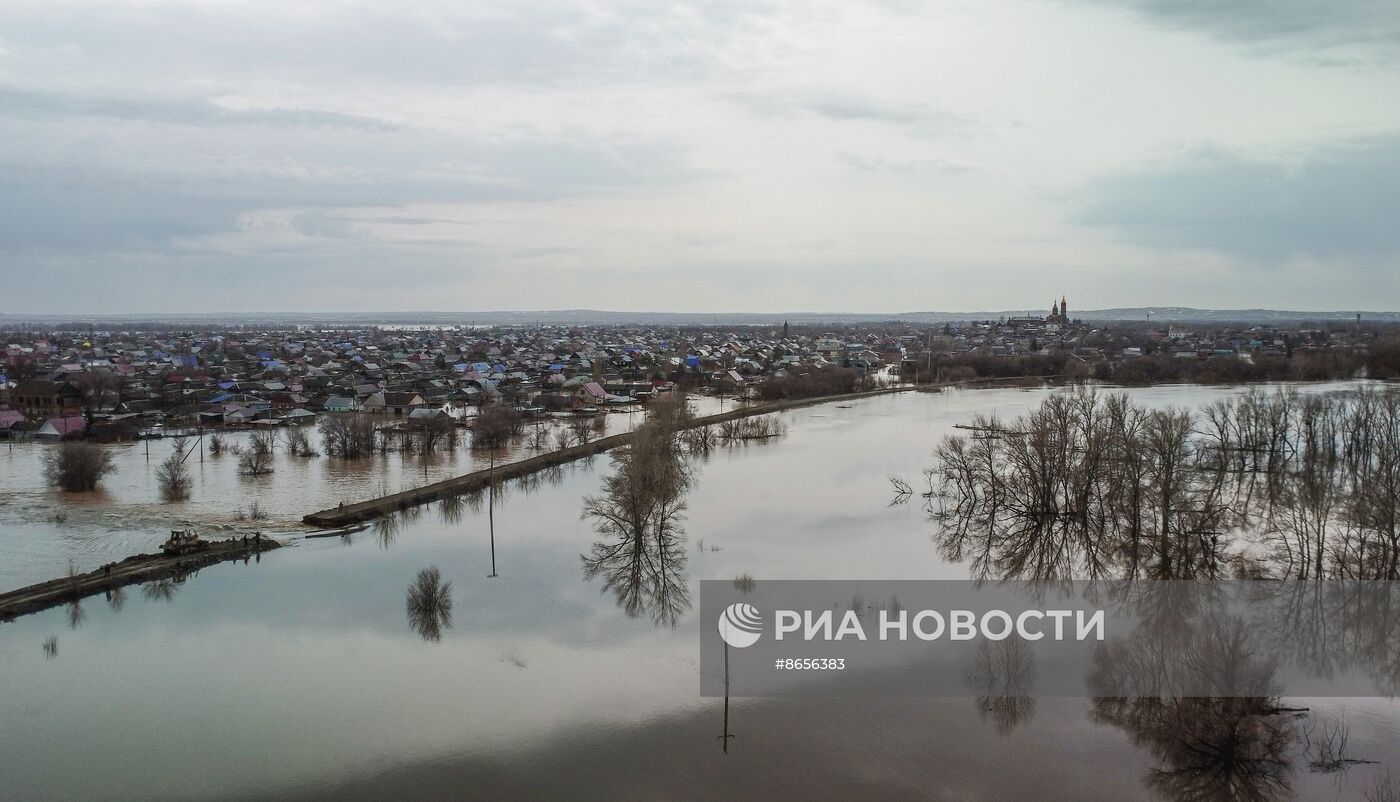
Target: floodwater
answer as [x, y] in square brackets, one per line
[300, 675]
[45, 530]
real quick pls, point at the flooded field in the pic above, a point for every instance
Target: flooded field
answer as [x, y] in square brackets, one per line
[301, 675]
[46, 529]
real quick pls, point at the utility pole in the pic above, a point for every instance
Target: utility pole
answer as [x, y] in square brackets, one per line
[929, 371]
[491, 509]
[724, 739]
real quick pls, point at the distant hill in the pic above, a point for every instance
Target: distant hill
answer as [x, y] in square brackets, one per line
[605, 317]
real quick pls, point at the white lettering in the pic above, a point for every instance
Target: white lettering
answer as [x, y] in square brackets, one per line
[1021, 625]
[786, 621]
[850, 625]
[901, 624]
[919, 629]
[1095, 624]
[998, 615]
[963, 625]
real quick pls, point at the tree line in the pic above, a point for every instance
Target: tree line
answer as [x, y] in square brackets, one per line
[1263, 484]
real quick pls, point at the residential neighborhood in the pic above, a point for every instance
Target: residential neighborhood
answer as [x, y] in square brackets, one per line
[115, 384]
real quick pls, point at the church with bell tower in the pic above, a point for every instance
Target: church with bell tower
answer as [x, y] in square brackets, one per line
[1059, 312]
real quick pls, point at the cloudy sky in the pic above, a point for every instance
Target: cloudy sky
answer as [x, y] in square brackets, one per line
[740, 155]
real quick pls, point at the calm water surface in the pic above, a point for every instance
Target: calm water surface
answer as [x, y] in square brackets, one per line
[299, 675]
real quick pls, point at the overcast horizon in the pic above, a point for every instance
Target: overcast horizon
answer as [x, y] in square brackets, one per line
[733, 157]
[582, 315]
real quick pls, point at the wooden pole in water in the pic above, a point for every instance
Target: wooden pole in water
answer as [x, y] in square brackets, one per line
[491, 509]
[724, 739]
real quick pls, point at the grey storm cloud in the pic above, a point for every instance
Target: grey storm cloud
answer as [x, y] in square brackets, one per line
[16, 102]
[554, 152]
[920, 119]
[428, 42]
[911, 167]
[1373, 25]
[180, 170]
[1333, 201]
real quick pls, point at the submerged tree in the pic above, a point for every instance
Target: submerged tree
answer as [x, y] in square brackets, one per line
[172, 476]
[495, 426]
[438, 432]
[76, 466]
[347, 435]
[640, 553]
[257, 460]
[299, 443]
[1086, 485]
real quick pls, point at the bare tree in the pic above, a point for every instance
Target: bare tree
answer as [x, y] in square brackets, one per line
[582, 431]
[347, 435]
[299, 443]
[1082, 484]
[495, 426]
[563, 438]
[257, 459]
[437, 432]
[77, 466]
[173, 476]
[641, 552]
[539, 438]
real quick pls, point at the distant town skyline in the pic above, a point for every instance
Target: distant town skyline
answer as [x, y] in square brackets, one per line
[875, 157]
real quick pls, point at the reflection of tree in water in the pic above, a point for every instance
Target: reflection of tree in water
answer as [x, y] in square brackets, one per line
[531, 483]
[1332, 628]
[1236, 746]
[386, 529]
[76, 614]
[1209, 748]
[1088, 486]
[640, 553]
[453, 507]
[1003, 677]
[1082, 486]
[1091, 485]
[160, 590]
[116, 599]
[429, 604]
[51, 647]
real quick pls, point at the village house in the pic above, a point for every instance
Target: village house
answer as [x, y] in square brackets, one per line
[39, 400]
[62, 428]
[392, 403]
[11, 421]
